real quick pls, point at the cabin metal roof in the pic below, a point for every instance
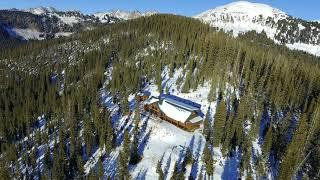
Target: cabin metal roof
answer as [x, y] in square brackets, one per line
[144, 93]
[180, 102]
[152, 99]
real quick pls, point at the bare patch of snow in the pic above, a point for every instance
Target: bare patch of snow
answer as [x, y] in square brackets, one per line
[309, 48]
[70, 20]
[28, 33]
[63, 34]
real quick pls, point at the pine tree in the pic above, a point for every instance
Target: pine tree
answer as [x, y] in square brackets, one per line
[295, 152]
[123, 159]
[123, 171]
[135, 157]
[159, 77]
[160, 171]
[109, 134]
[267, 144]
[208, 160]
[177, 174]
[126, 145]
[188, 157]
[80, 166]
[219, 123]
[124, 106]
[212, 92]
[47, 159]
[207, 126]
[100, 169]
[4, 173]
[229, 134]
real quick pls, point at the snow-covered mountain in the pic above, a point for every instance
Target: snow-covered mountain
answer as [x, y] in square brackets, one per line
[41, 10]
[123, 15]
[240, 17]
[47, 22]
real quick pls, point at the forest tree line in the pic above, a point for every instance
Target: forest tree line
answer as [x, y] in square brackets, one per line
[276, 86]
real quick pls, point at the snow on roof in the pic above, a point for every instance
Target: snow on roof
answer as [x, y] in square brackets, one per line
[174, 112]
[196, 119]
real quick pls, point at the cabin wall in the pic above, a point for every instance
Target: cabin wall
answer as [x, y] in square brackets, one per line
[141, 98]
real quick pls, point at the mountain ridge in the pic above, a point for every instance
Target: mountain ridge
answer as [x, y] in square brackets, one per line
[237, 18]
[48, 22]
[242, 16]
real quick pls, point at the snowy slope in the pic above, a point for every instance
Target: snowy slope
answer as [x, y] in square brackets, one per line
[312, 49]
[124, 15]
[41, 10]
[61, 22]
[243, 16]
[28, 33]
[47, 22]
[68, 17]
[240, 17]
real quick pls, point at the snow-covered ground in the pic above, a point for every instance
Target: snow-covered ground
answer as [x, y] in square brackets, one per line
[309, 48]
[69, 19]
[28, 33]
[63, 34]
[162, 141]
[165, 140]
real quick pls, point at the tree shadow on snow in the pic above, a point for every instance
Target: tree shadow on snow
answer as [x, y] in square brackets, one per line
[230, 170]
[191, 144]
[132, 104]
[142, 174]
[144, 126]
[166, 168]
[198, 151]
[123, 127]
[143, 142]
[195, 165]
[110, 165]
[264, 124]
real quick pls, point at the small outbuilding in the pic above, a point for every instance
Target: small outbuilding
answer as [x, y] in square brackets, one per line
[142, 96]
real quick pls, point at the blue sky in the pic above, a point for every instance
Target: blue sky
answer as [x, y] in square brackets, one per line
[305, 9]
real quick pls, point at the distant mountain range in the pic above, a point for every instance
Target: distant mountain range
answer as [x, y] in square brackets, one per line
[122, 15]
[240, 17]
[47, 22]
[235, 18]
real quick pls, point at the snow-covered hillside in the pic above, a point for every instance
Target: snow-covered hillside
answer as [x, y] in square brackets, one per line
[242, 16]
[68, 17]
[41, 10]
[123, 15]
[47, 22]
[51, 22]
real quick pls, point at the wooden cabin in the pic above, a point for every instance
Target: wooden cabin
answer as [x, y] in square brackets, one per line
[181, 114]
